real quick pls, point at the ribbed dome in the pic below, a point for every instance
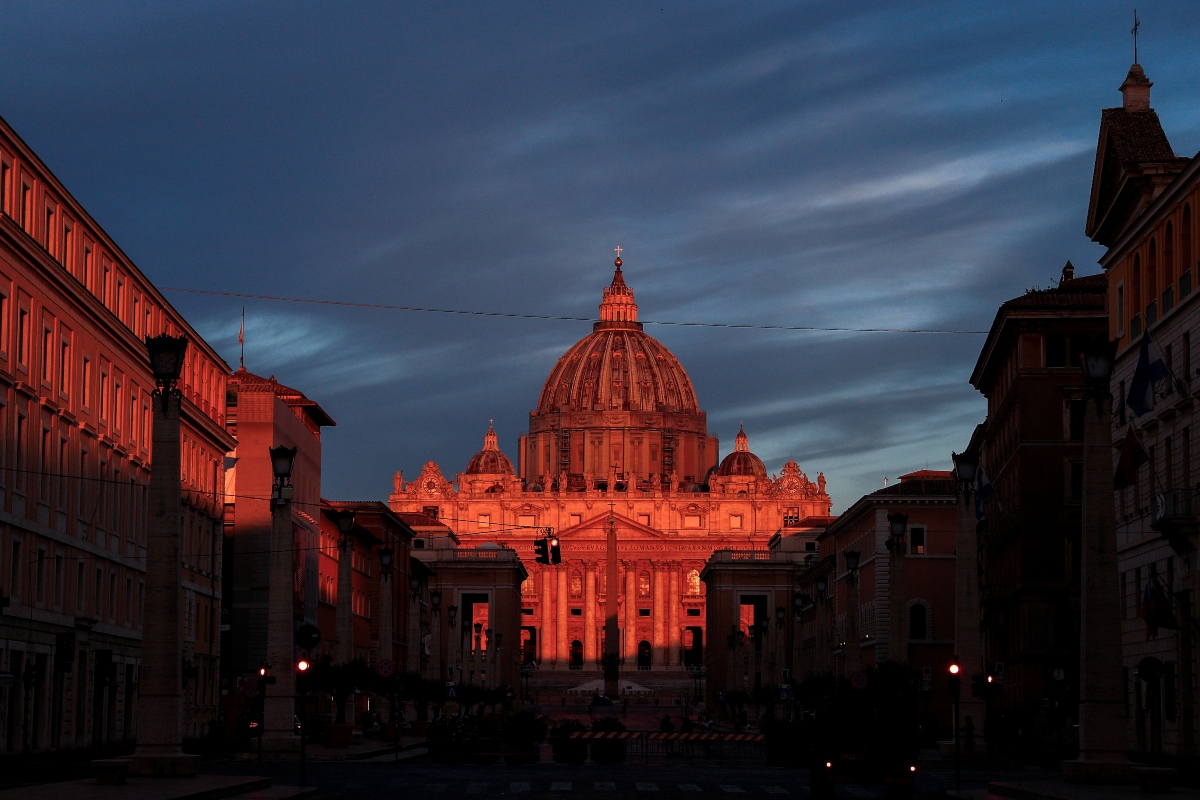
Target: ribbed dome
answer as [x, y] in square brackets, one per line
[489, 460]
[618, 366]
[741, 461]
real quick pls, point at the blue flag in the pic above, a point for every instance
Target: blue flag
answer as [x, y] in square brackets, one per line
[983, 490]
[1150, 371]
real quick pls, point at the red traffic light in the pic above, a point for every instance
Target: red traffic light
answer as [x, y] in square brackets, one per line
[954, 669]
[990, 679]
[302, 665]
[262, 671]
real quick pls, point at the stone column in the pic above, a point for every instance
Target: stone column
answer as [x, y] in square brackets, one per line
[1102, 722]
[968, 644]
[631, 640]
[279, 706]
[549, 637]
[660, 621]
[564, 642]
[589, 616]
[674, 636]
[160, 731]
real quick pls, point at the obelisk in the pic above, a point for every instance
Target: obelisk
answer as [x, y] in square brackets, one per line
[612, 633]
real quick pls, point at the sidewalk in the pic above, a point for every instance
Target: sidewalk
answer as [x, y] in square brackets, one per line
[201, 787]
[368, 749]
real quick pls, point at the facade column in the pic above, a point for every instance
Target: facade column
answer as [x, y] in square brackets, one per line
[548, 637]
[631, 641]
[564, 643]
[589, 616]
[160, 733]
[674, 637]
[660, 622]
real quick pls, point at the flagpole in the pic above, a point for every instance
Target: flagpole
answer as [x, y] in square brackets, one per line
[242, 339]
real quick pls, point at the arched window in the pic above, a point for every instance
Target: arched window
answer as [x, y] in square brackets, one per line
[693, 582]
[576, 584]
[643, 655]
[1186, 277]
[576, 655]
[643, 584]
[527, 586]
[918, 622]
[1151, 282]
[1168, 261]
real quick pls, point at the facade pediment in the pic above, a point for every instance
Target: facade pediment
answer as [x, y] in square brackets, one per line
[597, 528]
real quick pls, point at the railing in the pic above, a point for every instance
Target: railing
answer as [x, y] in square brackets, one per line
[745, 747]
[1174, 505]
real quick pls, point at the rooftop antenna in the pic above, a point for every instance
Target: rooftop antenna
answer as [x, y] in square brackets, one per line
[242, 338]
[1134, 30]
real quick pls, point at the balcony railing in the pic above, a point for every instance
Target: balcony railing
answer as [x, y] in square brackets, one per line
[1174, 515]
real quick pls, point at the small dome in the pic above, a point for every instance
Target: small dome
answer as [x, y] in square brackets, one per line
[741, 461]
[489, 460]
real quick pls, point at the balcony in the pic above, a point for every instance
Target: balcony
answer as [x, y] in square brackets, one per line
[1174, 515]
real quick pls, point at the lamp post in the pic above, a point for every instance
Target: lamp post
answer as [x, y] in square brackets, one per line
[160, 703]
[967, 639]
[897, 588]
[343, 613]
[852, 654]
[279, 707]
[1102, 721]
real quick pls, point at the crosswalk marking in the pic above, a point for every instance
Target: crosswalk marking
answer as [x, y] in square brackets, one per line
[729, 787]
[476, 788]
[774, 790]
[560, 786]
[605, 786]
[646, 787]
[688, 787]
[518, 786]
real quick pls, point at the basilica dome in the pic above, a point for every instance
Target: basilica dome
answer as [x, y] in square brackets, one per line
[489, 460]
[618, 367]
[741, 462]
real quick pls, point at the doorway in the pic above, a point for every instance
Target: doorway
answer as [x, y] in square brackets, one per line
[576, 655]
[643, 657]
[528, 644]
[693, 642]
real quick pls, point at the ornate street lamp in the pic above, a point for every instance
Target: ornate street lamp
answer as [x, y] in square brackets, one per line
[414, 586]
[822, 585]
[478, 628]
[897, 524]
[344, 519]
[166, 359]
[780, 613]
[1097, 361]
[385, 562]
[452, 615]
[965, 466]
[282, 461]
[435, 600]
[851, 557]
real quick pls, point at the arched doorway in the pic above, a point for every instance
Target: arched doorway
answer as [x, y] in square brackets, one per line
[576, 654]
[643, 655]
[693, 651]
[1149, 706]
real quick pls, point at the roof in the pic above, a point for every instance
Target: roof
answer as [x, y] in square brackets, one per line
[922, 483]
[741, 461]
[489, 460]
[1137, 136]
[244, 380]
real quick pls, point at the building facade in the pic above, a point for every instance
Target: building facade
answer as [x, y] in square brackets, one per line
[75, 431]
[1028, 543]
[1144, 211]
[617, 429]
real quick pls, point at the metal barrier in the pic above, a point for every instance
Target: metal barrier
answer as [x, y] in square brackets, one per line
[745, 747]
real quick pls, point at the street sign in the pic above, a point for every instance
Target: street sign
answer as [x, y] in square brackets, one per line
[859, 680]
[452, 692]
[386, 668]
[308, 636]
[785, 692]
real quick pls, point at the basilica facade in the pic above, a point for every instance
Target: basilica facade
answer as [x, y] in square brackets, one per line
[618, 438]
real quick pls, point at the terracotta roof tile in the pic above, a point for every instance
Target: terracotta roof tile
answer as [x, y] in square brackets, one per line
[1137, 136]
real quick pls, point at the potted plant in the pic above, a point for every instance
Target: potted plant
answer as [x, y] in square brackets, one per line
[565, 749]
[523, 734]
[608, 751]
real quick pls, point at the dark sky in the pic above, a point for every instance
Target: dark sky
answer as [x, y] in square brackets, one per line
[834, 164]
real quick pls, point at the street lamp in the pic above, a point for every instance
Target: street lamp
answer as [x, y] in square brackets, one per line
[780, 613]
[965, 466]
[851, 563]
[1097, 361]
[414, 586]
[435, 600]
[282, 461]
[452, 614]
[822, 584]
[344, 518]
[385, 562]
[897, 524]
[166, 359]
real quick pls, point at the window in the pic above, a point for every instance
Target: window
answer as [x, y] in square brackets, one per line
[135, 319]
[644, 584]
[576, 612]
[916, 539]
[735, 521]
[14, 572]
[430, 511]
[64, 367]
[643, 612]
[104, 284]
[58, 579]
[103, 396]
[47, 355]
[40, 575]
[1120, 309]
[62, 474]
[26, 207]
[693, 612]
[526, 520]
[128, 600]
[791, 516]
[22, 444]
[1076, 481]
[86, 380]
[918, 622]
[5, 177]
[98, 590]
[485, 520]
[1186, 346]
[1056, 350]
[643, 519]
[23, 337]
[1076, 410]
[68, 245]
[50, 233]
[576, 584]
[80, 587]
[576, 519]
[693, 582]
[691, 520]
[3, 325]
[112, 595]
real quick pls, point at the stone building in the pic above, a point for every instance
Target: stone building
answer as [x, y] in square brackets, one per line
[1143, 209]
[75, 431]
[617, 428]
[1028, 544]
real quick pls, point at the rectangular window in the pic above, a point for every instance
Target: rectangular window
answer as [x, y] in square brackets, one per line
[3, 325]
[485, 520]
[735, 521]
[1076, 481]
[643, 612]
[98, 590]
[104, 276]
[1168, 463]
[68, 245]
[135, 319]
[430, 511]
[691, 520]
[88, 263]
[103, 396]
[1077, 410]
[128, 600]
[14, 572]
[526, 521]
[1185, 445]
[791, 516]
[58, 580]
[120, 300]
[5, 177]
[62, 474]
[85, 394]
[112, 595]
[1120, 309]
[47, 355]
[22, 444]
[576, 519]
[23, 337]
[26, 208]
[1186, 346]
[1056, 350]
[80, 587]
[1169, 359]
[40, 575]
[50, 233]
[916, 539]
[64, 367]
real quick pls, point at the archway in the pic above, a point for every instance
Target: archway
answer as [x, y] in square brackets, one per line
[693, 654]
[576, 654]
[644, 651]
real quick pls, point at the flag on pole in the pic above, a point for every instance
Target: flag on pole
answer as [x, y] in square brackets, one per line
[1133, 455]
[1156, 609]
[983, 490]
[1150, 371]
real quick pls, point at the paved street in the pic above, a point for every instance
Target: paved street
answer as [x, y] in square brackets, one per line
[422, 778]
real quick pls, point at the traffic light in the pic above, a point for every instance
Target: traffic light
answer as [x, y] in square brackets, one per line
[954, 679]
[302, 666]
[541, 550]
[555, 554]
[263, 678]
[982, 686]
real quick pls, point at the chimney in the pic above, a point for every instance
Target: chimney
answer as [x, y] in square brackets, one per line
[1135, 91]
[1068, 273]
